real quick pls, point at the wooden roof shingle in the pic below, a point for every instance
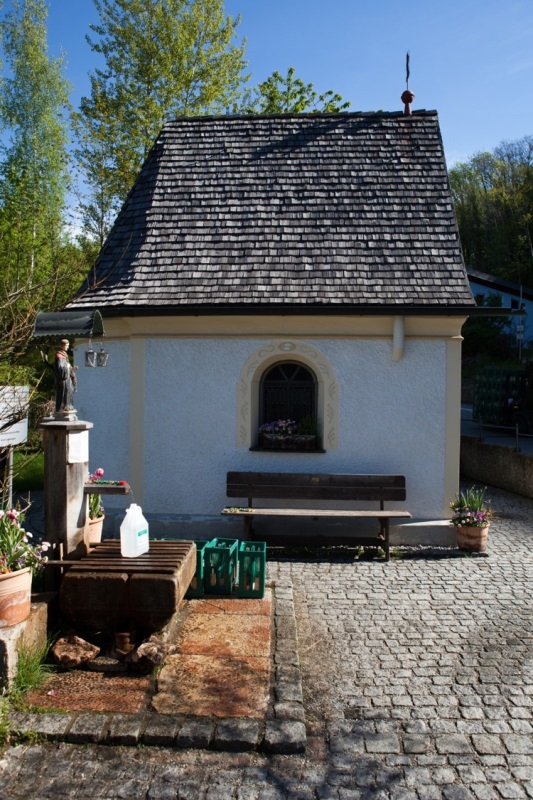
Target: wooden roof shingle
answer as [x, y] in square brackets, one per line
[269, 212]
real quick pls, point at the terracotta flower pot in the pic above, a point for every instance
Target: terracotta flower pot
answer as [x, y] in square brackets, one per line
[95, 529]
[472, 539]
[15, 597]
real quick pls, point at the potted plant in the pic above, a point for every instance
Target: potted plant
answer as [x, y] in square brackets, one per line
[471, 519]
[20, 560]
[278, 434]
[286, 434]
[306, 433]
[96, 509]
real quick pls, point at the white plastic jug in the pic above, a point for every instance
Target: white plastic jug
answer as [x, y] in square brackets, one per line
[134, 539]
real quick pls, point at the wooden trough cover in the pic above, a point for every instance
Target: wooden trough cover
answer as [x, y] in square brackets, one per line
[104, 591]
[163, 557]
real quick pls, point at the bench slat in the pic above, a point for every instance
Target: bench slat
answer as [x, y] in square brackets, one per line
[316, 486]
[313, 512]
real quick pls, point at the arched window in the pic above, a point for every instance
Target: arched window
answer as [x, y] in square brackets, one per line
[289, 392]
[306, 374]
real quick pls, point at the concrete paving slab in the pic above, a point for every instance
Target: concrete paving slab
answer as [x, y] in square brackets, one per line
[224, 605]
[83, 690]
[232, 635]
[214, 686]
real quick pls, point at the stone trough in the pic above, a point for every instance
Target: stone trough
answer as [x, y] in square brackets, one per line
[102, 591]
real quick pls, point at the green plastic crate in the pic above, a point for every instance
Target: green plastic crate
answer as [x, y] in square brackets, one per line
[252, 569]
[220, 566]
[196, 586]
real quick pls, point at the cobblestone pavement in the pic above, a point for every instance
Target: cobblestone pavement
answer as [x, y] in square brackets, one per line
[418, 683]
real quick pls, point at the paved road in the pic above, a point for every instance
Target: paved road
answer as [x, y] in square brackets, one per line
[418, 681]
[493, 434]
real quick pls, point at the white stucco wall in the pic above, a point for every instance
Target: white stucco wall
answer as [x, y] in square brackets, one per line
[103, 397]
[392, 419]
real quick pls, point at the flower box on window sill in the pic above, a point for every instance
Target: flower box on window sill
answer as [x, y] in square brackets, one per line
[287, 441]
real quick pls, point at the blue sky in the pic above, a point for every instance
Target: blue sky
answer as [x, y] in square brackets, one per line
[471, 60]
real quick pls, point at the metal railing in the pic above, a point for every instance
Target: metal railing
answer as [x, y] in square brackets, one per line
[485, 431]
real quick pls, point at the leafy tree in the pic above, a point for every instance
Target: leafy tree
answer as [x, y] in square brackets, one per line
[33, 175]
[493, 196]
[163, 58]
[288, 94]
[95, 155]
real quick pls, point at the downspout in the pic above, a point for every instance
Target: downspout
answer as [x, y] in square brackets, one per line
[398, 338]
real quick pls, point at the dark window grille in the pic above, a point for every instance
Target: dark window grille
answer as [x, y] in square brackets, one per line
[288, 391]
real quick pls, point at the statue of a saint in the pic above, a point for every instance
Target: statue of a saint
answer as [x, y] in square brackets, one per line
[65, 377]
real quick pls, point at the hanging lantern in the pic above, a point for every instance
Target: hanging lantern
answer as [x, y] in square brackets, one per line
[101, 357]
[90, 356]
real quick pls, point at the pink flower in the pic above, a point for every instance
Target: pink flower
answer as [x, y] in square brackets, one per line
[99, 472]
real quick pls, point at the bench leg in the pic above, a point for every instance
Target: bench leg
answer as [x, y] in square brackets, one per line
[384, 523]
[248, 527]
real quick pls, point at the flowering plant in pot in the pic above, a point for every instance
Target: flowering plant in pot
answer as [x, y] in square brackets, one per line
[96, 509]
[17, 550]
[20, 559]
[280, 427]
[286, 434]
[471, 518]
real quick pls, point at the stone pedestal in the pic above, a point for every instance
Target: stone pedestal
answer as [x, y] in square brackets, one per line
[66, 467]
[30, 634]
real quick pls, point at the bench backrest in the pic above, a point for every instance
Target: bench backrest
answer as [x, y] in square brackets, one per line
[315, 486]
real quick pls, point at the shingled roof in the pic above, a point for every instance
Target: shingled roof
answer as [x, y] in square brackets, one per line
[310, 212]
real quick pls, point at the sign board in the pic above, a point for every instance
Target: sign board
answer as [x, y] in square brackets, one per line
[78, 447]
[13, 403]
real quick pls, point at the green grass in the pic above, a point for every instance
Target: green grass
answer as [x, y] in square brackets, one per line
[28, 472]
[31, 671]
[5, 727]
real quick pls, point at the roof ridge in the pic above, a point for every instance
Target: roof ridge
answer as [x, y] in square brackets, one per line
[303, 115]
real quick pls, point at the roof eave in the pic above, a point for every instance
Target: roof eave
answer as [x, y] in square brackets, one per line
[306, 310]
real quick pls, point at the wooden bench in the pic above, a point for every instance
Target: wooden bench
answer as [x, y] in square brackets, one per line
[318, 487]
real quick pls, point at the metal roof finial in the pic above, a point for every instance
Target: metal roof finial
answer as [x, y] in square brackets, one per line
[407, 96]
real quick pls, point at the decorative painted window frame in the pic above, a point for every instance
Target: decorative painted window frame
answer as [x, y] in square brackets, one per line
[248, 389]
